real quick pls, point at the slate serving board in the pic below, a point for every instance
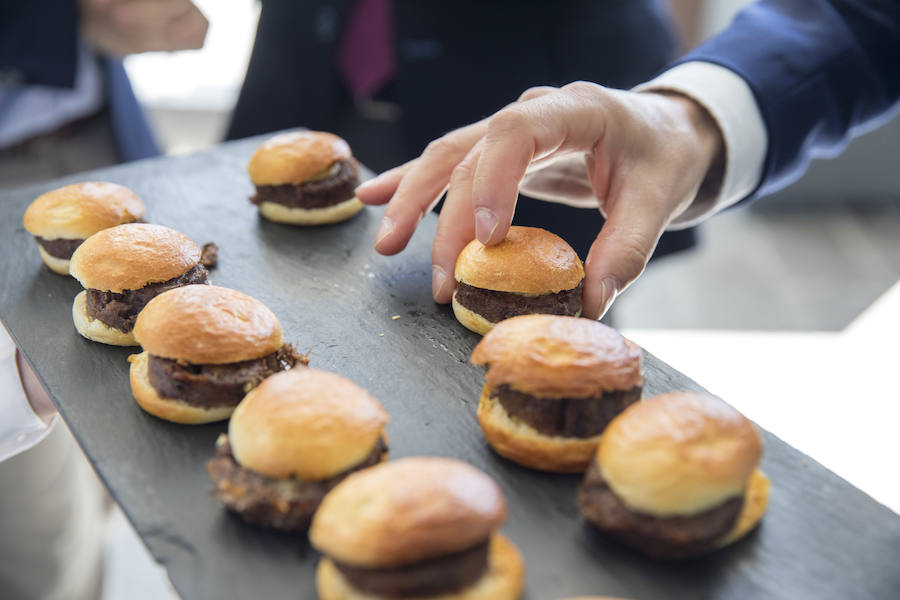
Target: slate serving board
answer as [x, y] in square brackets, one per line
[336, 297]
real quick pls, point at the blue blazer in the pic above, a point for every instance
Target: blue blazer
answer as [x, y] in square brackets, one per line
[822, 71]
[38, 42]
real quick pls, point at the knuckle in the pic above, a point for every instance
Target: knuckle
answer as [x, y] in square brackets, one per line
[580, 88]
[441, 147]
[510, 120]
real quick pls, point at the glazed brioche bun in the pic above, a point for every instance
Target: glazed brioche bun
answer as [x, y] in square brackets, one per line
[128, 257]
[59, 266]
[170, 409]
[207, 324]
[95, 329]
[529, 261]
[80, 210]
[305, 423]
[295, 157]
[552, 356]
[679, 453]
[521, 443]
[503, 579]
[756, 500]
[280, 213]
[407, 511]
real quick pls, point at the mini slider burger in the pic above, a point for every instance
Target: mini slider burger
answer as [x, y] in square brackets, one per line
[205, 347]
[676, 476]
[553, 384]
[62, 219]
[292, 440]
[415, 528]
[531, 271]
[305, 178]
[123, 268]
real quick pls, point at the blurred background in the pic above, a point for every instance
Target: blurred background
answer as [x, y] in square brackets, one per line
[786, 308]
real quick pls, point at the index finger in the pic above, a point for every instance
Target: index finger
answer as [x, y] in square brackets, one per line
[572, 118]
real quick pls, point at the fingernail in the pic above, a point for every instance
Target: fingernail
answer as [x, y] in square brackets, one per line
[387, 228]
[438, 279]
[485, 224]
[608, 291]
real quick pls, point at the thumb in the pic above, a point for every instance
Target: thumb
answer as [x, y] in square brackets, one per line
[621, 251]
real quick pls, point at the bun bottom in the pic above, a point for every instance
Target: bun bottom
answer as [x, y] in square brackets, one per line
[756, 500]
[503, 579]
[95, 329]
[57, 265]
[310, 216]
[521, 443]
[470, 320]
[169, 409]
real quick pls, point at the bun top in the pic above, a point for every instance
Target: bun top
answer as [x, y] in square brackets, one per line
[207, 325]
[80, 210]
[406, 511]
[305, 423]
[558, 357]
[679, 453]
[128, 257]
[528, 261]
[292, 158]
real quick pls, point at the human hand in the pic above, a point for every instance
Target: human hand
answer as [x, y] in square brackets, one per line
[639, 157]
[122, 27]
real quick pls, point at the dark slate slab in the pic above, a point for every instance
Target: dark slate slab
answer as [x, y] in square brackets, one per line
[335, 296]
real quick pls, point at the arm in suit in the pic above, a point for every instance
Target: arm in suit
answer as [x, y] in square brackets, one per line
[38, 42]
[821, 71]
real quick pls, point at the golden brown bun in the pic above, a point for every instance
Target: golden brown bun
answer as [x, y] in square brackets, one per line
[78, 211]
[470, 320]
[305, 423]
[292, 158]
[553, 356]
[521, 443]
[95, 329]
[528, 261]
[128, 257]
[280, 213]
[59, 266]
[169, 409]
[756, 500]
[502, 581]
[207, 325]
[679, 453]
[406, 511]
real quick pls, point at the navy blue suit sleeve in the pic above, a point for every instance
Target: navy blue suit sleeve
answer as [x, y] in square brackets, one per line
[821, 71]
[38, 42]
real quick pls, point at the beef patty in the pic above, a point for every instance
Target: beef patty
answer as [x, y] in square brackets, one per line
[209, 386]
[442, 575]
[59, 248]
[321, 193]
[497, 306]
[661, 537]
[120, 310]
[567, 417]
[286, 504]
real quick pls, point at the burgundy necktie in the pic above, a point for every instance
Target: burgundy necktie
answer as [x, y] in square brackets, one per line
[366, 55]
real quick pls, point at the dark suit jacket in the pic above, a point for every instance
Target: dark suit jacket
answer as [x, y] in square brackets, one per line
[821, 71]
[457, 62]
[38, 43]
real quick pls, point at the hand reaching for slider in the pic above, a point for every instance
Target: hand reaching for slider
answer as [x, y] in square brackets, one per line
[638, 157]
[122, 27]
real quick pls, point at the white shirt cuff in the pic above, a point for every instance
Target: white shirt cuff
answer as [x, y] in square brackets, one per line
[20, 428]
[728, 98]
